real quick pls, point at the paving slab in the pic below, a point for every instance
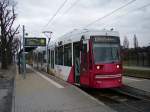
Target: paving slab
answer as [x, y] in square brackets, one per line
[36, 94]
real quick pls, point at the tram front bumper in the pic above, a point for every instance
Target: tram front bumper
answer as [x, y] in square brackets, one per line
[107, 81]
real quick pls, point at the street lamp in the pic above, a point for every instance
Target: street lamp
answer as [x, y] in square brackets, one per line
[48, 35]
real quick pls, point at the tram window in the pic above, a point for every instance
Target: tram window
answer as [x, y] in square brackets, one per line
[44, 56]
[39, 57]
[76, 51]
[68, 55]
[60, 55]
[49, 55]
[52, 59]
[84, 50]
[56, 56]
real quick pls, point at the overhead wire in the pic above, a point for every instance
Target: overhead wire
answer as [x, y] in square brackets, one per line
[73, 4]
[57, 11]
[110, 13]
[144, 6]
[69, 9]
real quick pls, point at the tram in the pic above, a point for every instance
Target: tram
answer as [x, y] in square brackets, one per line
[85, 57]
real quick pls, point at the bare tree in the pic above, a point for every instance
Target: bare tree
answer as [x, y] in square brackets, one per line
[15, 45]
[125, 43]
[7, 18]
[135, 40]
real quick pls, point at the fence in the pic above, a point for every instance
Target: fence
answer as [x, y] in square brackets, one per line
[136, 57]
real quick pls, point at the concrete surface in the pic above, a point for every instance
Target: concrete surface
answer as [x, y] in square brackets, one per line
[6, 88]
[136, 68]
[36, 94]
[138, 83]
[3, 94]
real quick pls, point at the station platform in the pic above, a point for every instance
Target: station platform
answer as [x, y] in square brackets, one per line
[137, 83]
[38, 93]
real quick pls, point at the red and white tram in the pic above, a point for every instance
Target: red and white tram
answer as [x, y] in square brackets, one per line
[90, 58]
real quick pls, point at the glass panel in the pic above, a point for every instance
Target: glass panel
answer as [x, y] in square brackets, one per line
[106, 53]
[60, 55]
[84, 55]
[68, 55]
[52, 59]
[56, 55]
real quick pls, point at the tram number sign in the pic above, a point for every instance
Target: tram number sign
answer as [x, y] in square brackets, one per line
[35, 41]
[106, 39]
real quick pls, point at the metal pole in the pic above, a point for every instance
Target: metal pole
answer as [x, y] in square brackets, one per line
[24, 61]
[19, 57]
[47, 54]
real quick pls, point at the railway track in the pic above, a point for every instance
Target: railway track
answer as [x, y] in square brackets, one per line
[120, 100]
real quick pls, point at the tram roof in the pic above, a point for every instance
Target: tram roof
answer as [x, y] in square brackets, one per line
[76, 34]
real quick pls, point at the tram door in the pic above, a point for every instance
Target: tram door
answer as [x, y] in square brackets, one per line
[76, 56]
[84, 71]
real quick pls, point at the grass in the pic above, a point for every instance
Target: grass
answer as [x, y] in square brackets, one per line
[137, 73]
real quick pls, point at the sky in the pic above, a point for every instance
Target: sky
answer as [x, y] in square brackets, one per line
[77, 14]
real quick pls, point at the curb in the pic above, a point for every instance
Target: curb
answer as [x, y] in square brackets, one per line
[14, 93]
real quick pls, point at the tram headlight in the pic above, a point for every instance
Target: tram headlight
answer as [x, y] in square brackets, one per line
[98, 67]
[118, 66]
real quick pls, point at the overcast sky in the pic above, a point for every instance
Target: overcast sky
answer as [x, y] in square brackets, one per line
[35, 14]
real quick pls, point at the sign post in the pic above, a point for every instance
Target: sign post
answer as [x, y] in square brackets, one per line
[24, 60]
[30, 42]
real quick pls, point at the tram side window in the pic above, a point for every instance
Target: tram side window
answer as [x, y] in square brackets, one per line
[52, 59]
[67, 55]
[44, 56]
[84, 51]
[60, 55]
[49, 55]
[40, 57]
[56, 56]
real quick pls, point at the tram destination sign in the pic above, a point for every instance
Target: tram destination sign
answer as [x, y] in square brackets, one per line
[112, 39]
[35, 42]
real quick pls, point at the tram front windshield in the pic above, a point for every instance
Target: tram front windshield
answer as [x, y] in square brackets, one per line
[106, 53]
